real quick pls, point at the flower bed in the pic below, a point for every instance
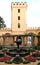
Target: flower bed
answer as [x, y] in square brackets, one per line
[25, 61]
[5, 58]
[36, 54]
[1, 54]
[30, 58]
[9, 61]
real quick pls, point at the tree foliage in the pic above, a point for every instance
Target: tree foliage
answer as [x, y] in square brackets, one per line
[2, 23]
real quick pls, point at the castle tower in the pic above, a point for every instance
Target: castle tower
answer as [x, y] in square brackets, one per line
[18, 16]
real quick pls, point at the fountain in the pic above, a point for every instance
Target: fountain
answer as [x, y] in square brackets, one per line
[18, 41]
[18, 51]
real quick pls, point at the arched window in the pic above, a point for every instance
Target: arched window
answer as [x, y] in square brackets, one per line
[29, 40]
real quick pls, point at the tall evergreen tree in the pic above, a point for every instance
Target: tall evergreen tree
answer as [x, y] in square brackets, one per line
[2, 23]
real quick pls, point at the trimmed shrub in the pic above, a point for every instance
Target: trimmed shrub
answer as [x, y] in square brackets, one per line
[17, 60]
[5, 58]
[4, 49]
[32, 50]
[1, 54]
[38, 63]
[1, 47]
[35, 47]
[38, 47]
[25, 61]
[38, 58]
[10, 61]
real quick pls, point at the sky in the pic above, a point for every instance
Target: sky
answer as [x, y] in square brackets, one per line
[33, 12]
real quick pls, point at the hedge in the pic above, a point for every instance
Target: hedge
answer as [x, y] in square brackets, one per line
[38, 63]
[38, 58]
[17, 60]
[25, 61]
[9, 62]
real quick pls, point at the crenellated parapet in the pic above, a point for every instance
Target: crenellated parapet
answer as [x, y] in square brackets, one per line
[18, 4]
[33, 28]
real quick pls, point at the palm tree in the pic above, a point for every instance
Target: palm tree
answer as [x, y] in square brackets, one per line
[2, 23]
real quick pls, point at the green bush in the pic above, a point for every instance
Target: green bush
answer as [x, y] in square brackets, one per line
[1, 47]
[17, 60]
[32, 49]
[4, 49]
[25, 61]
[38, 63]
[38, 47]
[35, 47]
[38, 58]
[9, 62]
[1, 55]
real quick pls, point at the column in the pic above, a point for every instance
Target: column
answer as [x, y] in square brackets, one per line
[22, 41]
[35, 40]
[25, 40]
[38, 40]
[13, 40]
[3, 41]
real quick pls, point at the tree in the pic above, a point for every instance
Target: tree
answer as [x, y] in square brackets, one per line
[2, 23]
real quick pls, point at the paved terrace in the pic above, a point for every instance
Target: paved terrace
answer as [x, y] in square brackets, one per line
[31, 63]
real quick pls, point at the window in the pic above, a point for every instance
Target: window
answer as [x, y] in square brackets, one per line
[29, 40]
[18, 17]
[18, 10]
[18, 25]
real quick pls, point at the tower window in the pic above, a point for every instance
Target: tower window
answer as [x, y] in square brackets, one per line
[18, 10]
[18, 25]
[18, 17]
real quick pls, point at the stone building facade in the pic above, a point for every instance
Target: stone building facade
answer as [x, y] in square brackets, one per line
[30, 36]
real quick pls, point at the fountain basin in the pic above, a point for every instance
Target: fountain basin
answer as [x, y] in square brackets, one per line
[15, 52]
